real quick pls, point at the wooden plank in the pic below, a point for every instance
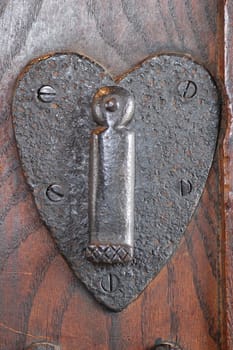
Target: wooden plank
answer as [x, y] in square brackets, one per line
[39, 297]
[227, 180]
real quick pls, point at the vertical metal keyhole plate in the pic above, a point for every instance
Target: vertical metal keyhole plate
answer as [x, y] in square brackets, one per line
[175, 124]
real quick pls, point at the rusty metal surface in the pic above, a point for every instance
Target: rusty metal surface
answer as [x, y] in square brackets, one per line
[176, 125]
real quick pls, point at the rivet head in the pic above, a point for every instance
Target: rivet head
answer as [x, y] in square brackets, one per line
[111, 105]
[187, 89]
[55, 193]
[46, 94]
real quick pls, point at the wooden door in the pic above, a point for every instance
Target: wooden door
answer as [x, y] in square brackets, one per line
[190, 301]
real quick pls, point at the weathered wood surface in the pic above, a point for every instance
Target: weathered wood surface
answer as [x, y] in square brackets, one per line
[227, 165]
[39, 297]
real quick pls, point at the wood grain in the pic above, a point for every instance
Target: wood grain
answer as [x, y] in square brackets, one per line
[40, 300]
[227, 164]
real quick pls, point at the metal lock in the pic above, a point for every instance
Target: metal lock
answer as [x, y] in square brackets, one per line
[116, 166]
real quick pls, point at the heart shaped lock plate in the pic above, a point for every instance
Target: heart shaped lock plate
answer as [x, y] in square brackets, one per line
[117, 234]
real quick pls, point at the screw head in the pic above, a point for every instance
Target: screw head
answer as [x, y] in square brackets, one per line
[46, 93]
[185, 187]
[109, 283]
[187, 89]
[55, 193]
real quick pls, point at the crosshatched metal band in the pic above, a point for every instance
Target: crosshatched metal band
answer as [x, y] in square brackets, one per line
[109, 254]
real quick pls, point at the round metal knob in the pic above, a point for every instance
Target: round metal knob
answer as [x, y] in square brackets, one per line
[113, 106]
